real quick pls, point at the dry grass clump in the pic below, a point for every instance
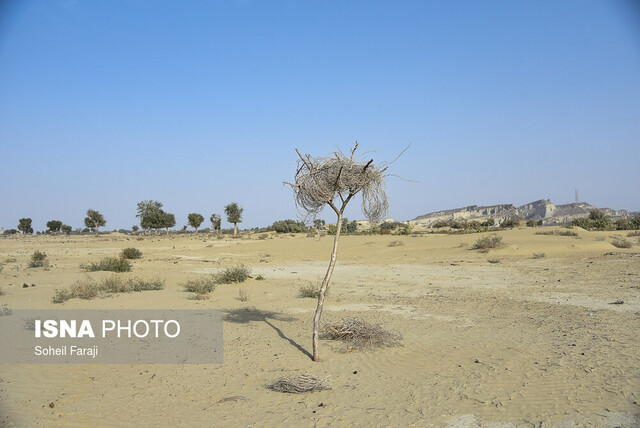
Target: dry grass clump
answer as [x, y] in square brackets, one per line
[109, 264]
[202, 285]
[2, 293]
[131, 253]
[310, 290]
[243, 294]
[395, 244]
[557, 233]
[359, 335]
[300, 384]
[487, 243]
[621, 243]
[38, 259]
[5, 310]
[493, 261]
[234, 274]
[88, 289]
[539, 255]
[634, 233]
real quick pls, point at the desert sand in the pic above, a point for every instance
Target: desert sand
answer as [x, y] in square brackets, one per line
[525, 342]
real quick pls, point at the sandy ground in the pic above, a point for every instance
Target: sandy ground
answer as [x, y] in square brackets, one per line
[523, 342]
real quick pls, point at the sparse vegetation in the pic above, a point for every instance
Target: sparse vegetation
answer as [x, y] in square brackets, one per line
[471, 226]
[310, 291]
[621, 243]
[259, 278]
[288, 226]
[539, 255]
[243, 294]
[10, 260]
[131, 253]
[359, 335]
[487, 243]
[511, 222]
[5, 310]
[38, 259]
[634, 233]
[204, 284]
[299, 384]
[395, 244]
[234, 274]
[89, 289]
[109, 264]
[493, 261]
[557, 232]
[2, 293]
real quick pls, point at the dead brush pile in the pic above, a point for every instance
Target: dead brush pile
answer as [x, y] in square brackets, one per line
[359, 335]
[299, 384]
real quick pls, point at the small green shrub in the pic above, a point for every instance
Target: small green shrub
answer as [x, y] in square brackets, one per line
[487, 243]
[10, 260]
[259, 278]
[493, 261]
[201, 285]
[131, 253]
[38, 259]
[234, 274]
[288, 226]
[109, 264]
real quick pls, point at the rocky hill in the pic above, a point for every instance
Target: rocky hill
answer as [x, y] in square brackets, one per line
[543, 209]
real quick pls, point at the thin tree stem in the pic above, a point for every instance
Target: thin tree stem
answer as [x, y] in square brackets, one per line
[323, 288]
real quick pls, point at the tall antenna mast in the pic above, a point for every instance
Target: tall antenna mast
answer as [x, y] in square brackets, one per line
[577, 200]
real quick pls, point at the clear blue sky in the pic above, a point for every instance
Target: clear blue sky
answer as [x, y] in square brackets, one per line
[201, 103]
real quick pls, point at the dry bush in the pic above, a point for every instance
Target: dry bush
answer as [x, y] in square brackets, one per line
[201, 285]
[263, 236]
[634, 233]
[131, 253]
[5, 310]
[539, 255]
[557, 233]
[360, 335]
[2, 293]
[395, 244]
[493, 261]
[310, 290]
[234, 274]
[38, 259]
[487, 243]
[299, 384]
[89, 289]
[621, 243]
[243, 294]
[108, 264]
[198, 296]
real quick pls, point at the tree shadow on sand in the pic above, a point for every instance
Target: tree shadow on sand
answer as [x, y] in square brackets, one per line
[247, 315]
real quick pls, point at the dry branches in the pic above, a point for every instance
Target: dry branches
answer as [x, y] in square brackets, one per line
[320, 181]
[360, 335]
[300, 384]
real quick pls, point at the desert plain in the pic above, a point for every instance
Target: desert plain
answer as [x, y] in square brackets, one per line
[497, 339]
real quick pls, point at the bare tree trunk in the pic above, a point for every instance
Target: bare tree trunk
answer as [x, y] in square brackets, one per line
[235, 229]
[323, 289]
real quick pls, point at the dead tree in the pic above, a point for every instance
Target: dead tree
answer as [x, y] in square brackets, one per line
[334, 181]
